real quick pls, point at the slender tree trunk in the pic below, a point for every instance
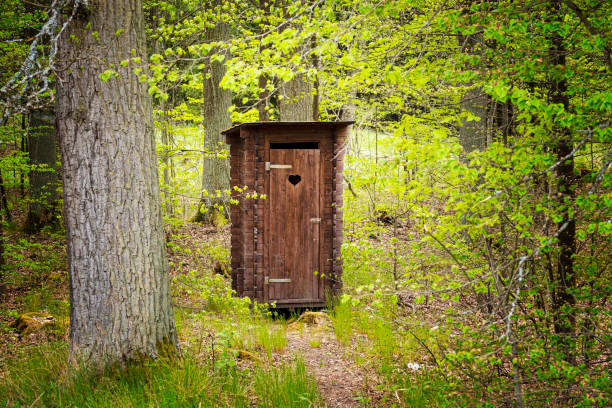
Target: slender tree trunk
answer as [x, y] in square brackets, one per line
[5, 206]
[2, 282]
[565, 281]
[215, 169]
[42, 150]
[120, 307]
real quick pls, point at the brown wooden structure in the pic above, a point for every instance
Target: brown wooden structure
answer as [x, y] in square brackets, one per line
[286, 247]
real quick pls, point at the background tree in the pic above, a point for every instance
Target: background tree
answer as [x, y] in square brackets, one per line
[43, 176]
[216, 116]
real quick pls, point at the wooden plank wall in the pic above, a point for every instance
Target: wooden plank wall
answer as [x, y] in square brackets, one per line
[340, 139]
[327, 211]
[259, 238]
[236, 252]
[247, 221]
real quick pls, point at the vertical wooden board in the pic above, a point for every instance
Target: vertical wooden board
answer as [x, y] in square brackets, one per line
[340, 137]
[247, 216]
[235, 144]
[326, 210]
[274, 239]
[316, 227]
[260, 215]
[266, 232]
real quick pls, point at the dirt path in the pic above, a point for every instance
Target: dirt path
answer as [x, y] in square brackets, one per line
[341, 381]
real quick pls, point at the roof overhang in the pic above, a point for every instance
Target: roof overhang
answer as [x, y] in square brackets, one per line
[236, 128]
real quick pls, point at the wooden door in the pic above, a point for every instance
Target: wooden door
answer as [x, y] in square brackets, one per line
[293, 226]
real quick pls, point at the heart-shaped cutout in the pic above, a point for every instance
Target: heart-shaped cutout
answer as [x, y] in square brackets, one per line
[294, 179]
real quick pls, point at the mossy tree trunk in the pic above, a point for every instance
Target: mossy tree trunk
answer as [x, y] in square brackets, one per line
[120, 307]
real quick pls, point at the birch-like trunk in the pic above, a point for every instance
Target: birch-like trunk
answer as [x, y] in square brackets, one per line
[120, 306]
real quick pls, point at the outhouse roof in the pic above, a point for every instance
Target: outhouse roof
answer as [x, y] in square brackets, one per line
[236, 128]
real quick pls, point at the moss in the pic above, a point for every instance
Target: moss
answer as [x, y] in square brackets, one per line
[247, 355]
[312, 318]
[217, 218]
[211, 215]
[167, 349]
[30, 322]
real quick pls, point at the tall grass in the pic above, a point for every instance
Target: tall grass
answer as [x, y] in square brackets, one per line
[41, 377]
[272, 338]
[286, 387]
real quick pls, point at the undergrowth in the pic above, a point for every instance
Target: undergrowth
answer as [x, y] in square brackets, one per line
[41, 376]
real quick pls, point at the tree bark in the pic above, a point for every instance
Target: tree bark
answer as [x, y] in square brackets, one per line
[120, 307]
[473, 134]
[563, 299]
[264, 99]
[2, 282]
[5, 207]
[297, 102]
[217, 101]
[42, 150]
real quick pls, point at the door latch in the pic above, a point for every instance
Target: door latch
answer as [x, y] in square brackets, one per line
[268, 280]
[277, 166]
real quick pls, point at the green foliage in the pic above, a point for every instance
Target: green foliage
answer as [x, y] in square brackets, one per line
[29, 262]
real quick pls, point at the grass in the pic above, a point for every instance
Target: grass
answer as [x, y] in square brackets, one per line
[286, 387]
[271, 338]
[342, 320]
[41, 377]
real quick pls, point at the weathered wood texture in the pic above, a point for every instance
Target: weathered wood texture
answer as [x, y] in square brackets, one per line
[120, 306]
[295, 235]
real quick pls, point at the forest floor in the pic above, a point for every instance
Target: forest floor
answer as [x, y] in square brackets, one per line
[310, 337]
[341, 382]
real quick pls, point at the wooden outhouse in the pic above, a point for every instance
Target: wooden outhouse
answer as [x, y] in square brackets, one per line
[286, 246]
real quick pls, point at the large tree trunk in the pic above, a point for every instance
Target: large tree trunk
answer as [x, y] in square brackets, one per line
[297, 102]
[473, 134]
[44, 182]
[215, 169]
[120, 306]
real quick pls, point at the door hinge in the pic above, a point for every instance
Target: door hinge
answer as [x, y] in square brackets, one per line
[315, 220]
[277, 166]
